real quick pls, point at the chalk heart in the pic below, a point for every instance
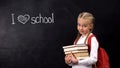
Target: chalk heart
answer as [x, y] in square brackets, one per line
[23, 18]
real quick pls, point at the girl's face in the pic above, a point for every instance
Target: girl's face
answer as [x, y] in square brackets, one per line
[83, 26]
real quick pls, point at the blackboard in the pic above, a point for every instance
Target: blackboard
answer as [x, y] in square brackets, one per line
[32, 32]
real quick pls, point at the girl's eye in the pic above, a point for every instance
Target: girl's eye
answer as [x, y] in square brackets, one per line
[78, 24]
[84, 25]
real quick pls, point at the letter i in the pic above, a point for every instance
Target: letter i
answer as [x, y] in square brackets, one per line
[13, 20]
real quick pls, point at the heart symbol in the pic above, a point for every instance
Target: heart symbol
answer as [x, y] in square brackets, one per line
[23, 18]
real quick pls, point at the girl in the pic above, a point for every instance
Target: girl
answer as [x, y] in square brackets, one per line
[85, 24]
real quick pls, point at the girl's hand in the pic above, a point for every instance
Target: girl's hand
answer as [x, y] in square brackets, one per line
[68, 59]
[74, 60]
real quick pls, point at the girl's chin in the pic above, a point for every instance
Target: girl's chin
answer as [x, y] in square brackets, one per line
[82, 33]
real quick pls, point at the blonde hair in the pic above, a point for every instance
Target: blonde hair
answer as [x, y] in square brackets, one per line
[87, 15]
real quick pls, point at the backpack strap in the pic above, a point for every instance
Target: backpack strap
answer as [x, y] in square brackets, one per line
[89, 41]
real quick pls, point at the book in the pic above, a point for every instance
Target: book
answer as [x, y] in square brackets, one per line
[75, 51]
[74, 47]
[80, 51]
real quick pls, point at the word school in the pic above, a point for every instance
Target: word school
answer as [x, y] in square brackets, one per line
[23, 19]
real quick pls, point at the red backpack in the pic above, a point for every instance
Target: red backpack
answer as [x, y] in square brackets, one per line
[103, 58]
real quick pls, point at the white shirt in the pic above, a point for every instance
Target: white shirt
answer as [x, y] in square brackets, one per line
[87, 63]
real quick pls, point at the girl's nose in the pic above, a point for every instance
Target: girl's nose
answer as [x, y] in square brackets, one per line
[80, 27]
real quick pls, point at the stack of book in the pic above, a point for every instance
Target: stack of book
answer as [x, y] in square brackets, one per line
[79, 51]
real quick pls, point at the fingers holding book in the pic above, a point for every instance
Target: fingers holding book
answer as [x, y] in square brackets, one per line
[74, 60]
[70, 58]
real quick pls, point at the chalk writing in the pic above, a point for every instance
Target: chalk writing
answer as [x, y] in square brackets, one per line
[26, 18]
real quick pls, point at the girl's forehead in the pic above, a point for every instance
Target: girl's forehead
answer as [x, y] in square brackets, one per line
[83, 21]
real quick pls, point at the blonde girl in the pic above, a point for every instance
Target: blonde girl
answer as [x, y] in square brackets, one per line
[85, 24]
